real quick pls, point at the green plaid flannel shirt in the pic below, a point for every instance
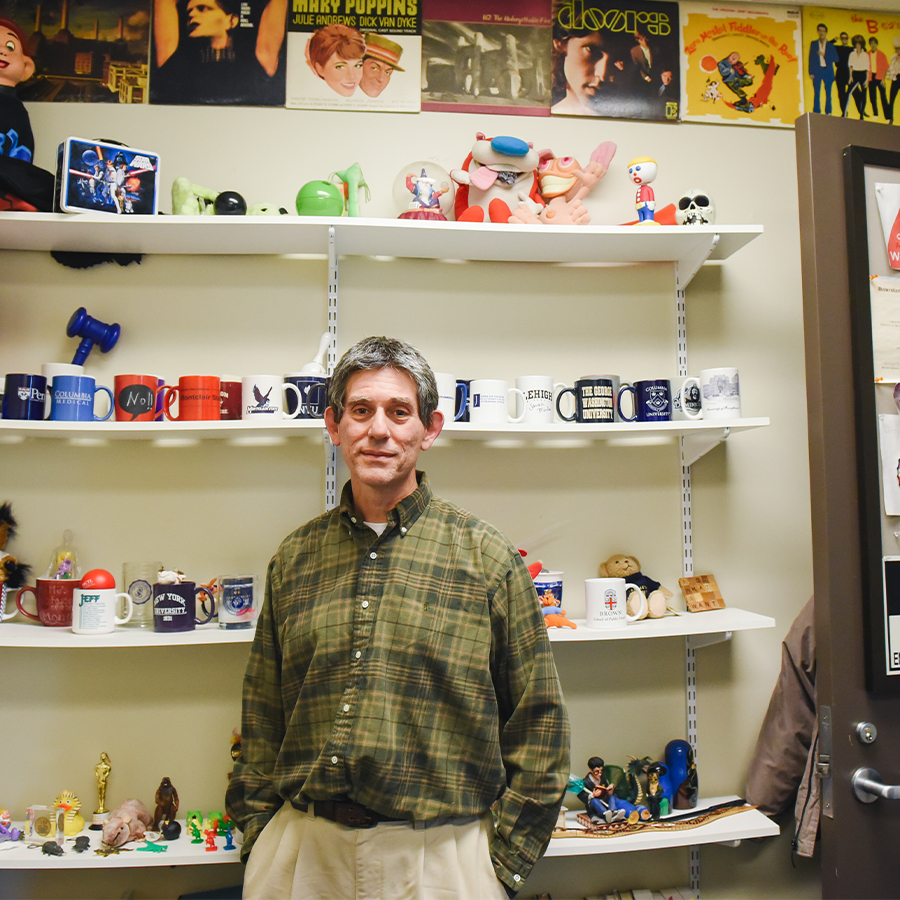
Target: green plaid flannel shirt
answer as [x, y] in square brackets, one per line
[411, 672]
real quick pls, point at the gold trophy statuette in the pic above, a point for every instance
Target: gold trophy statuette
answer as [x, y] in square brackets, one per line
[101, 770]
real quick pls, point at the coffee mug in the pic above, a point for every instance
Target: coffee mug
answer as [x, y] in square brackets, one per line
[652, 400]
[24, 396]
[549, 587]
[313, 395]
[464, 384]
[685, 396]
[175, 607]
[52, 600]
[74, 397]
[489, 402]
[236, 599]
[6, 598]
[138, 579]
[231, 397]
[595, 400]
[135, 397]
[538, 403]
[720, 393]
[50, 371]
[94, 611]
[263, 398]
[452, 396]
[198, 399]
[604, 602]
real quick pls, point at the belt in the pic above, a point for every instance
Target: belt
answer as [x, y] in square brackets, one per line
[346, 812]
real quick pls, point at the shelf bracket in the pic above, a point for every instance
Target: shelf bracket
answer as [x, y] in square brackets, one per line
[688, 266]
[695, 641]
[695, 446]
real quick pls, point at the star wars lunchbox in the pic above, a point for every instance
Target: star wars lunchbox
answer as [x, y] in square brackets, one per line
[98, 176]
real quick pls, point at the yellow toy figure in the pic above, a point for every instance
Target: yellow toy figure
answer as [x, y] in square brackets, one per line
[74, 821]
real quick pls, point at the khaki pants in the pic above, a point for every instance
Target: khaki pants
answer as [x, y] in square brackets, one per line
[300, 857]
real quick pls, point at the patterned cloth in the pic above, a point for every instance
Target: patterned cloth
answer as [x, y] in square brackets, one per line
[411, 672]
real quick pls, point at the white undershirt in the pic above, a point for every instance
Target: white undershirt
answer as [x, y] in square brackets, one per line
[377, 527]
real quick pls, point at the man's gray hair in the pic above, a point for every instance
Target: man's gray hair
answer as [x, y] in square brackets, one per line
[384, 353]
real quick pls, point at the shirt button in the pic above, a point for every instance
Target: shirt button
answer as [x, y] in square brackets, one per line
[403, 529]
[517, 878]
[365, 604]
[353, 519]
[358, 654]
[373, 555]
[334, 760]
[346, 707]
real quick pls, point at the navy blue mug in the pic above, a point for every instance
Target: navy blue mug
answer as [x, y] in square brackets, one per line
[595, 401]
[312, 390]
[652, 400]
[175, 607]
[23, 396]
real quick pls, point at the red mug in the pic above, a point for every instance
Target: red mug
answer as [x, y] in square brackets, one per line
[199, 399]
[135, 397]
[231, 389]
[52, 599]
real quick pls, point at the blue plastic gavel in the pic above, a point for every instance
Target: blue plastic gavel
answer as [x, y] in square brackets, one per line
[92, 331]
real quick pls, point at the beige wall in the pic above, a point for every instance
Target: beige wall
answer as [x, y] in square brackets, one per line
[212, 507]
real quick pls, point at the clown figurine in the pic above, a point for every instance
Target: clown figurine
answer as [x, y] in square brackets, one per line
[642, 170]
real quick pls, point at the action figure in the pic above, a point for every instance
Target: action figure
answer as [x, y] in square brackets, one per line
[599, 797]
[166, 803]
[642, 170]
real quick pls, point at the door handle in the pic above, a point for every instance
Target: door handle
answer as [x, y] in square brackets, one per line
[868, 786]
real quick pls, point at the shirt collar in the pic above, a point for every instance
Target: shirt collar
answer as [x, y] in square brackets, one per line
[404, 514]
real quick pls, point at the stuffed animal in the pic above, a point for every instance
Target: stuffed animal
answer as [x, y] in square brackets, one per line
[126, 823]
[619, 565]
[497, 177]
[13, 574]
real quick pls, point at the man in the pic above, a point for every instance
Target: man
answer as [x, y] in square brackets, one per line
[823, 57]
[379, 63]
[842, 70]
[878, 68]
[401, 680]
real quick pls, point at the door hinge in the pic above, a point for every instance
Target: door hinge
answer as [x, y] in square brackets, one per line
[823, 761]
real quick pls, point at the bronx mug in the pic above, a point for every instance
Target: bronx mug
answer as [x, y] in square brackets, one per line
[263, 397]
[24, 396]
[198, 399]
[52, 600]
[94, 611]
[489, 402]
[452, 396]
[135, 397]
[175, 607]
[604, 602]
[595, 400]
[74, 397]
[652, 400]
[538, 398]
[720, 393]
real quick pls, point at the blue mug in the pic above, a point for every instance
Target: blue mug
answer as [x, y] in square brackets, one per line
[72, 399]
[652, 400]
[23, 396]
[313, 393]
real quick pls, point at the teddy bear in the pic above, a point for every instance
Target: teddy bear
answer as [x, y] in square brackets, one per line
[620, 565]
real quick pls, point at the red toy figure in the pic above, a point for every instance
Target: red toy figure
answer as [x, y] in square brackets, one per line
[210, 835]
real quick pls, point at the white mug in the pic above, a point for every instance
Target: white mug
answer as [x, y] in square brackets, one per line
[7, 602]
[263, 398]
[604, 602]
[450, 403]
[537, 400]
[48, 370]
[720, 393]
[489, 402]
[685, 393]
[94, 611]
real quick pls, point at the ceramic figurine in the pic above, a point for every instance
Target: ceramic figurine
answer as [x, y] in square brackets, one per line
[351, 181]
[8, 832]
[497, 177]
[695, 208]
[682, 774]
[166, 803]
[657, 799]
[126, 823]
[601, 800]
[642, 170]
[74, 821]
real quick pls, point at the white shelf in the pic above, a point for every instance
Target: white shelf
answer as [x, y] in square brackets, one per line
[16, 633]
[711, 622]
[309, 236]
[178, 853]
[749, 823]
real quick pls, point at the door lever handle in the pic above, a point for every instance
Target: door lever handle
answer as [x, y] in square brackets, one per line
[868, 786]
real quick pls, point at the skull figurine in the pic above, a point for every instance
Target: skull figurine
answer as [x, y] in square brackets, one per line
[695, 208]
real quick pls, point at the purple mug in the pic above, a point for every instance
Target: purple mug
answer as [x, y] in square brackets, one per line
[175, 607]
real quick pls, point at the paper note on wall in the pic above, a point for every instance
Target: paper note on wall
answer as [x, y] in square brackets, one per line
[889, 441]
[888, 196]
[884, 293]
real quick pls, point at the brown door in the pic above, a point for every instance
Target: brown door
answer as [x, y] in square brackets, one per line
[860, 841]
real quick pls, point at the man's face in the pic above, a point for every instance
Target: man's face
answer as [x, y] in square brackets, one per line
[341, 75]
[597, 773]
[207, 19]
[845, 38]
[380, 433]
[376, 76]
[15, 66]
[586, 67]
[823, 31]
[873, 44]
